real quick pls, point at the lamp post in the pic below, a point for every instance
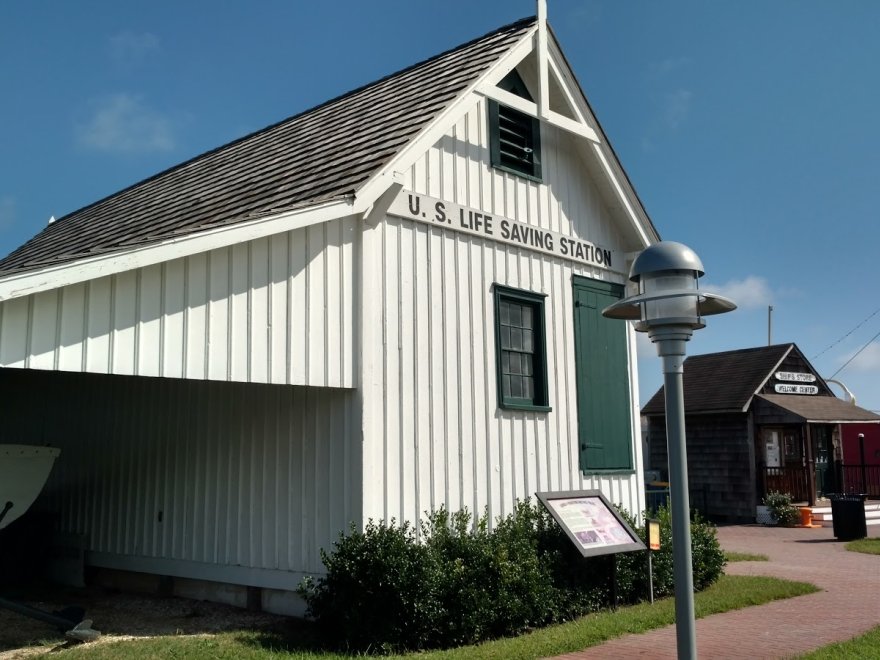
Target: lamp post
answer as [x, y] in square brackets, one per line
[669, 307]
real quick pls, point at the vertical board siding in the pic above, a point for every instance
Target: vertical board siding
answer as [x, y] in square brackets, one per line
[226, 473]
[275, 310]
[445, 441]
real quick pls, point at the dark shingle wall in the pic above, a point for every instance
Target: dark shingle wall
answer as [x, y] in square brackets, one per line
[720, 466]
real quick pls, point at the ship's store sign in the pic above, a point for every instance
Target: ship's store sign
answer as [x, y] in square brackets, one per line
[453, 216]
[795, 377]
[793, 383]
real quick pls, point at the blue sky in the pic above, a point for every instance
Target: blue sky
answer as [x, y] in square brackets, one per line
[750, 129]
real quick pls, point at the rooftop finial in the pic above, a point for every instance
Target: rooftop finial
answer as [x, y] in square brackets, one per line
[51, 219]
[543, 85]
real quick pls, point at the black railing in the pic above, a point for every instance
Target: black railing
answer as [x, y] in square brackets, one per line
[791, 480]
[862, 479]
[656, 498]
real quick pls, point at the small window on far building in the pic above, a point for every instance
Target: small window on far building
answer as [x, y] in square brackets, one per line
[521, 353]
[514, 137]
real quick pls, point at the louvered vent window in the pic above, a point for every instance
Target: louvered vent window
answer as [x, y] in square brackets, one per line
[515, 137]
[516, 141]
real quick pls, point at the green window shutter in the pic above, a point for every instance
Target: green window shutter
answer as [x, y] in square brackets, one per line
[603, 393]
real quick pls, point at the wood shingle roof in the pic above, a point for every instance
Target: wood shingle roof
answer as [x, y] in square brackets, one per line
[822, 409]
[324, 154]
[733, 380]
[723, 381]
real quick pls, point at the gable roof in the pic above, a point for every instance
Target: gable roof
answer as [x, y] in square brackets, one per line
[725, 381]
[823, 409]
[729, 381]
[324, 154]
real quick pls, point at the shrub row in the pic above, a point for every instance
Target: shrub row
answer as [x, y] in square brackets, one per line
[388, 589]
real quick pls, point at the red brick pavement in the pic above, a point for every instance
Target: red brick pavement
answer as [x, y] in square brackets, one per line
[847, 606]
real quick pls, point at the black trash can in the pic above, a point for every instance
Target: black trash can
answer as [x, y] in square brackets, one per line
[848, 516]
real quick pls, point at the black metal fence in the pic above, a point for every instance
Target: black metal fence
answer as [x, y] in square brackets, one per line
[862, 479]
[791, 480]
[656, 498]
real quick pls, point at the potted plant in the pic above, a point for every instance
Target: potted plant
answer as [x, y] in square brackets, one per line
[782, 511]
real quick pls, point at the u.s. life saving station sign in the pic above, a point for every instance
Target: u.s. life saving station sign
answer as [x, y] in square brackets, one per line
[441, 213]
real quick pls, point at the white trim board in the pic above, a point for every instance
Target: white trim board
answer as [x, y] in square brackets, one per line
[194, 570]
[53, 277]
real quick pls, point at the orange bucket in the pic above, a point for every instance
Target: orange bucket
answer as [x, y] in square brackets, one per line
[806, 516]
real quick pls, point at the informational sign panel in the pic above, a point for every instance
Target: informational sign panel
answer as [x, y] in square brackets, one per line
[772, 454]
[654, 534]
[593, 525]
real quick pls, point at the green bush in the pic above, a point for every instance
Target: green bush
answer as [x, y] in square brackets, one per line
[582, 585]
[781, 509]
[493, 585]
[707, 557]
[387, 591]
[379, 593]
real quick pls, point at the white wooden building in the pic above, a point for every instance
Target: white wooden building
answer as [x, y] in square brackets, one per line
[383, 305]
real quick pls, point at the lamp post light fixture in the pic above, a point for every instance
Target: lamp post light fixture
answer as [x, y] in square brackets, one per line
[669, 307]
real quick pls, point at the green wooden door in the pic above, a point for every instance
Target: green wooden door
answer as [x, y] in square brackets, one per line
[603, 392]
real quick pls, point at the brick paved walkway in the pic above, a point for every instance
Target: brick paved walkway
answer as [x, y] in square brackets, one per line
[847, 606]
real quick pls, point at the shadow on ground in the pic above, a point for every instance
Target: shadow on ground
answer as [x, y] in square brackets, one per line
[128, 615]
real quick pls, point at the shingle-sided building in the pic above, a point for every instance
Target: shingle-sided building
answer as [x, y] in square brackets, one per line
[383, 305]
[756, 420]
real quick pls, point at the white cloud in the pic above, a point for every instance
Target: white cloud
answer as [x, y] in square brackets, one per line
[7, 212]
[676, 107]
[867, 360]
[128, 48]
[667, 66]
[122, 123]
[751, 293]
[671, 99]
[585, 13]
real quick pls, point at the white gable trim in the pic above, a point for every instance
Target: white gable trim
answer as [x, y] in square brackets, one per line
[380, 182]
[541, 47]
[569, 98]
[604, 153]
[624, 198]
[486, 86]
[81, 270]
[529, 108]
[768, 377]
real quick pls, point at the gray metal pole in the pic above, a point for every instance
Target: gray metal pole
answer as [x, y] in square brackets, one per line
[670, 346]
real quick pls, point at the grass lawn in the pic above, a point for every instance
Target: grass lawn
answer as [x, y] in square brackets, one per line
[729, 593]
[744, 556]
[868, 546]
[859, 648]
